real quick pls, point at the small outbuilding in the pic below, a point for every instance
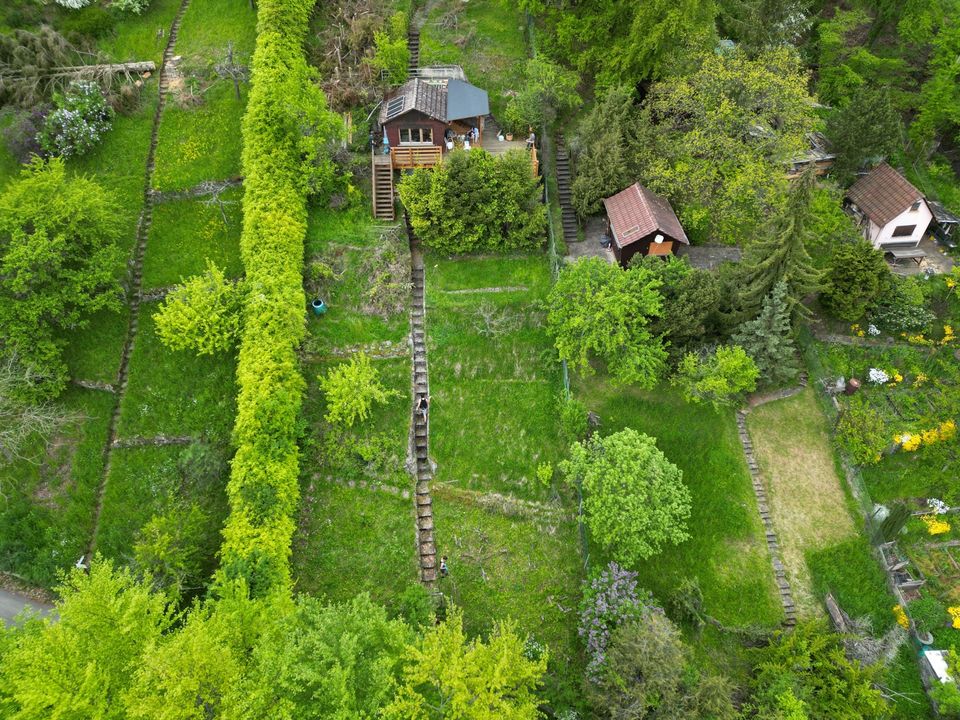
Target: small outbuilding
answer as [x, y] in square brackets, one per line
[945, 227]
[641, 222]
[892, 213]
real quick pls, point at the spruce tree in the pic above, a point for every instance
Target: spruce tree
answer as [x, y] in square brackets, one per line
[782, 256]
[768, 339]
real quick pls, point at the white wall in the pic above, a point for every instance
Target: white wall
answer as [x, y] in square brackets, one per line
[920, 217]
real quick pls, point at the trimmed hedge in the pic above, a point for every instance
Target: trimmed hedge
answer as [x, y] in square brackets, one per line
[263, 488]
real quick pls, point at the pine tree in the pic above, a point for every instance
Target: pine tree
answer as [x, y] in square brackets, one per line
[782, 256]
[768, 339]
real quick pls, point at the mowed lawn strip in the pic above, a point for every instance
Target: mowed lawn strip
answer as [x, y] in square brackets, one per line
[806, 498]
[726, 551]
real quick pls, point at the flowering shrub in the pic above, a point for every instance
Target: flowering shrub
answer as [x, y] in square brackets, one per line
[79, 121]
[73, 4]
[954, 616]
[134, 6]
[901, 616]
[937, 506]
[947, 430]
[878, 376]
[873, 329]
[920, 379]
[610, 600]
[861, 432]
[935, 526]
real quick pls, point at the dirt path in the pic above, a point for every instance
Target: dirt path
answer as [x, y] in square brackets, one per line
[807, 503]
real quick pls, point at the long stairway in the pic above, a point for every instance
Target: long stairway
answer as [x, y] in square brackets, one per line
[381, 180]
[426, 546]
[413, 45]
[569, 217]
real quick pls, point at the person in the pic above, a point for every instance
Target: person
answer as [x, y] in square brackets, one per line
[474, 134]
[423, 405]
[532, 140]
[444, 571]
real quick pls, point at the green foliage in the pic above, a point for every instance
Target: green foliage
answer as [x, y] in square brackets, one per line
[604, 151]
[168, 549]
[82, 664]
[947, 696]
[134, 6]
[809, 663]
[720, 379]
[415, 606]
[634, 498]
[861, 432]
[80, 118]
[392, 54]
[573, 419]
[58, 263]
[781, 255]
[597, 310]
[476, 202]
[768, 339]
[445, 676]
[202, 314]
[928, 613]
[856, 278]
[903, 307]
[866, 128]
[715, 141]
[548, 91]
[351, 389]
[263, 487]
[829, 224]
[893, 523]
[939, 111]
[758, 25]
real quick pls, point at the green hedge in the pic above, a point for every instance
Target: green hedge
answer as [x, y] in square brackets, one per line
[263, 488]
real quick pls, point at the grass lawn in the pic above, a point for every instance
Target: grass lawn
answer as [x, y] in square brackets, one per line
[176, 393]
[806, 497]
[46, 515]
[93, 353]
[138, 38]
[200, 143]
[494, 50]
[209, 25]
[726, 551]
[185, 233]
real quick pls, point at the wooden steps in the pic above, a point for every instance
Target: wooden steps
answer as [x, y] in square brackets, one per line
[381, 180]
[413, 45]
[569, 216]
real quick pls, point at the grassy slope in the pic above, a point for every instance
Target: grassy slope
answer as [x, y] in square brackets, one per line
[807, 500]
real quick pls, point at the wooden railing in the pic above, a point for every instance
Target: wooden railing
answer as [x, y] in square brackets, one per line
[416, 156]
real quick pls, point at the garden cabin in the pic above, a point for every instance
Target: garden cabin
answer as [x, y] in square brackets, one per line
[819, 154]
[641, 222]
[431, 113]
[892, 213]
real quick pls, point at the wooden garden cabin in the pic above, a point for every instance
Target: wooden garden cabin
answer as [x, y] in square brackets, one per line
[641, 222]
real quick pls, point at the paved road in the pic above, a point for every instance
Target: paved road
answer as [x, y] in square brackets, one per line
[11, 604]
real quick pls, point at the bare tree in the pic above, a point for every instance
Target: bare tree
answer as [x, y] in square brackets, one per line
[230, 67]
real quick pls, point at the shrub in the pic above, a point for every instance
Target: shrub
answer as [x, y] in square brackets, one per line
[21, 134]
[927, 613]
[202, 314]
[635, 501]
[79, 120]
[93, 20]
[856, 278]
[351, 389]
[903, 309]
[73, 4]
[133, 6]
[573, 419]
[475, 202]
[392, 54]
[548, 91]
[861, 432]
[720, 379]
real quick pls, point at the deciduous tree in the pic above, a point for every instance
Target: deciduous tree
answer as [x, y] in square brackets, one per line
[351, 390]
[720, 379]
[635, 501]
[548, 91]
[596, 310]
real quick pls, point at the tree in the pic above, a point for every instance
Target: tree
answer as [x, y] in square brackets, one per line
[768, 339]
[716, 141]
[758, 25]
[169, 549]
[79, 120]
[635, 501]
[476, 202]
[781, 255]
[392, 55]
[857, 277]
[720, 379]
[595, 309]
[58, 264]
[808, 665]
[202, 314]
[939, 107]
[866, 128]
[81, 663]
[445, 676]
[351, 389]
[548, 91]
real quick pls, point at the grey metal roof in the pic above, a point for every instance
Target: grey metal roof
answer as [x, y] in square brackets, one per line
[465, 100]
[943, 216]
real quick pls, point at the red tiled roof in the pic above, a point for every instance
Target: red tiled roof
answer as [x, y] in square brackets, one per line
[636, 212]
[883, 194]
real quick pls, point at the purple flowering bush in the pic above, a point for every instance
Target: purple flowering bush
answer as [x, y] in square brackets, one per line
[79, 121]
[610, 599]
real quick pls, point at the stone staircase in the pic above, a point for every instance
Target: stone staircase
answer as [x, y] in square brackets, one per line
[413, 45]
[569, 217]
[426, 546]
[135, 280]
[773, 545]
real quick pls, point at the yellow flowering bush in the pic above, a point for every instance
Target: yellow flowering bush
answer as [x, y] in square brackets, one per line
[954, 616]
[934, 525]
[920, 379]
[948, 335]
[930, 436]
[901, 615]
[909, 442]
[948, 430]
[857, 330]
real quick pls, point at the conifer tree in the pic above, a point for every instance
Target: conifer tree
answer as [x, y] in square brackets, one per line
[782, 256]
[768, 339]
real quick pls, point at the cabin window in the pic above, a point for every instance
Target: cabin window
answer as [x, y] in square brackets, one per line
[416, 136]
[904, 230]
[915, 206]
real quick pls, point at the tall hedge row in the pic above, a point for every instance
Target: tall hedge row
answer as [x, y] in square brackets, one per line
[263, 487]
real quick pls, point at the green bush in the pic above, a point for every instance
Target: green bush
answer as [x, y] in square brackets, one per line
[856, 278]
[351, 389]
[475, 202]
[720, 379]
[861, 432]
[392, 53]
[927, 613]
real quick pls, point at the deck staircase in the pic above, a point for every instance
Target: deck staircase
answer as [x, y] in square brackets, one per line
[413, 45]
[569, 217]
[382, 184]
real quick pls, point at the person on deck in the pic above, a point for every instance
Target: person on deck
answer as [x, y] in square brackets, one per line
[532, 140]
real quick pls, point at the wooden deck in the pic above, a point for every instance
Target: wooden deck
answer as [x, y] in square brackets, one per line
[405, 158]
